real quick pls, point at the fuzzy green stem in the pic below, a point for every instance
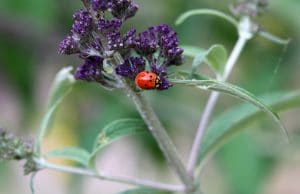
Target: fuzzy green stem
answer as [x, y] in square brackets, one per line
[157, 130]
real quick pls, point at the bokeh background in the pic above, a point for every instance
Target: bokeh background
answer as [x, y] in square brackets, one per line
[254, 162]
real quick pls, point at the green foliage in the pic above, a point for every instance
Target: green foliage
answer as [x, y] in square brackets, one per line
[114, 131]
[244, 165]
[144, 191]
[78, 155]
[62, 85]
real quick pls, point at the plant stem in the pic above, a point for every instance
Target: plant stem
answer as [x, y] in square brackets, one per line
[103, 176]
[159, 133]
[245, 33]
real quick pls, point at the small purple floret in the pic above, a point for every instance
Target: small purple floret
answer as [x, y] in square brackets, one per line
[68, 46]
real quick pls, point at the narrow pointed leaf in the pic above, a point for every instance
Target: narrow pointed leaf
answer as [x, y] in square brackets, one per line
[183, 17]
[61, 86]
[78, 155]
[235, 91]
[116, 130]
[237, 118]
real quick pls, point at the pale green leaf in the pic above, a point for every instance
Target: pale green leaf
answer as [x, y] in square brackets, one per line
[183, 17]
[61, 86]
[235, 91]
[192, 51]
[78, 155]
[237, 118]
[215, 57]
[144, 191]
[116, 130]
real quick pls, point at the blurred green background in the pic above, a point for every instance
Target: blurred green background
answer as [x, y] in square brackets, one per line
[254, 162]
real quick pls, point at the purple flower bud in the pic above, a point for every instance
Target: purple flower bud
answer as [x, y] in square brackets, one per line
[124, 9]
[106, 26]
[101, 5]
[116, 42]
[68, 46]
[90, 70]
[164, 83]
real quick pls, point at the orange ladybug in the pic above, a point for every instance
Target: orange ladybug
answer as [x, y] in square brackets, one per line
[147, 80]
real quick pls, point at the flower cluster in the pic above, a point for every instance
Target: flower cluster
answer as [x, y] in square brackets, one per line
[96, 35]
[250, 8]
[13, 148]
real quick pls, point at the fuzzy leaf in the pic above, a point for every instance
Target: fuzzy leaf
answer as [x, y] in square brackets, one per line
[116, 130]
[144, 191]
[237, 118]
[192, 51]
[61, 86]
[71, 153]
[215, 57]
[235, 91]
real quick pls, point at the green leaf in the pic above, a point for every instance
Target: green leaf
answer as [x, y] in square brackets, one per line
[116, 130]
[235, 91]
[61, 86]
[192, 51]
[183, 17]
[71, 153]
[215, 57]
[144, 191]
[237, 118]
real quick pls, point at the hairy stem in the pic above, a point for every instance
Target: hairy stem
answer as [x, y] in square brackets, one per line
[159, 133]
[245, 33]
[103, 176]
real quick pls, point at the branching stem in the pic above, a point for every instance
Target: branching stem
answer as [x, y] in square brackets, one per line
[43, 164]
[245, 33]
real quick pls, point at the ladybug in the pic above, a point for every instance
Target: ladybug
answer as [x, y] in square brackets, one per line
[147, 80]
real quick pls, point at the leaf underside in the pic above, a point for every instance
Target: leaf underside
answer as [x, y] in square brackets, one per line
[237, 118]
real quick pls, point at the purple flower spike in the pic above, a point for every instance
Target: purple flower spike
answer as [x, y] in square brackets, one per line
[160, 38]
[82, 23]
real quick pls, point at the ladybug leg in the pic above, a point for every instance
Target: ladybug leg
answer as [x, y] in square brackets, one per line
[157, 82]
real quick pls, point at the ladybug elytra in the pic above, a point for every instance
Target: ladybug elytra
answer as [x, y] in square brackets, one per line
[147, 80]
